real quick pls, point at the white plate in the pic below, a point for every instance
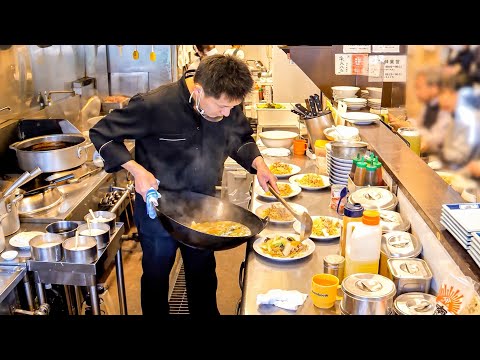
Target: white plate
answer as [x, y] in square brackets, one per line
[295, 170]
[341, 166]
[342, 162]
[9, 255]
[333, 181]
[299, 208]
[275, 152]
[296, 190]
[360, 118]
[22, 240]
[340, 172]
[296, 227]
[310, 249]
[325, 179]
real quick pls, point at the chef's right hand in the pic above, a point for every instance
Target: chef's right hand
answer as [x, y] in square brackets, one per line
[144, 179]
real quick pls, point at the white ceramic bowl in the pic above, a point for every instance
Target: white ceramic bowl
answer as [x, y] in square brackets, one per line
[374, 92]
[278, 138]
[343, 133]
[344, 91]
[9, 255]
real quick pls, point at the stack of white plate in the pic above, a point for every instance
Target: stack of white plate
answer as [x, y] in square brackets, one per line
[342, 92]
[374, 103]
[337, 169]
[461, 220]
[355, 103]
[364, 94]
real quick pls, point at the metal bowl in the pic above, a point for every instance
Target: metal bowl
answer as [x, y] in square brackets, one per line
[86, 253]
[47, 247]
[65, 229]
[100, 231]
[345, 149]
[110, 216]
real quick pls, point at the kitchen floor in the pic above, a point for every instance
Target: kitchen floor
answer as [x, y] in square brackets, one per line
[228, 292]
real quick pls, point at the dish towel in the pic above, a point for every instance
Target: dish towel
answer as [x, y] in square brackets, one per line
[285, 299]
[152, 201]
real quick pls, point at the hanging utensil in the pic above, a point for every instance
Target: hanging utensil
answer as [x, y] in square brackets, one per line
[306, 222]
[153, 56]
[136, 55]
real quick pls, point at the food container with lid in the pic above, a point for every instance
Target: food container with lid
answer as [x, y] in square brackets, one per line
[367, 294]
[393, 221]
[374, 197]
[410, 275]
[334, 264]
[414, 303]
[397, 244]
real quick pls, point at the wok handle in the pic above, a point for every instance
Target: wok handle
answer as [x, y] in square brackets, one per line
[284, 203]
[240, 275]
[83, 148]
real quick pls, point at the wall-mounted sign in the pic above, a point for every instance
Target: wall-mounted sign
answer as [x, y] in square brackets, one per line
[343, 64]
[357, 49]
[395, 68]
[386, 48]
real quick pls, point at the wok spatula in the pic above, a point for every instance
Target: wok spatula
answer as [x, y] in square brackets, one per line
[306, 222]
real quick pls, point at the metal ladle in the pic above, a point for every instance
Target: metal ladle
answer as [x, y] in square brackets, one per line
[306, 222]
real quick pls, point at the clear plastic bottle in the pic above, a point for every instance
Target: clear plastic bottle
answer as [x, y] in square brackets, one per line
[371, 175]
[362, 248]
[354, 166]
[378, 172]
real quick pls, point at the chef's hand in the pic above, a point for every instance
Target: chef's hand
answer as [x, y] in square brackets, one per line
[264, 175]
[144, 179]
[397, 123]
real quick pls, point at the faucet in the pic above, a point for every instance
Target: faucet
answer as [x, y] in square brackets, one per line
[49, 96]
[6, 108]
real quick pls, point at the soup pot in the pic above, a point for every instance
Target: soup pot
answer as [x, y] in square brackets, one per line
[52, 153]
[9, 206]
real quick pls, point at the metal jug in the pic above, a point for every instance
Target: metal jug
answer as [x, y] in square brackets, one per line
[316, 125]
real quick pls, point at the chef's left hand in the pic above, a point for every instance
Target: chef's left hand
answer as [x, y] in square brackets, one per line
[264, 175]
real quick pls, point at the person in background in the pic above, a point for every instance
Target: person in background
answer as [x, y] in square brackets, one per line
[184, 131]
[462, 142]
[459, 61]
[200, 51]
[235, 51]
[433, 123]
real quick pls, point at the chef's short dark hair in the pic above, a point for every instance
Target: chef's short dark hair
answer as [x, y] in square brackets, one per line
[224, 74]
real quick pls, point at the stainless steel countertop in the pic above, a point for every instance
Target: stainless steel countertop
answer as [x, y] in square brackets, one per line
[262, 274]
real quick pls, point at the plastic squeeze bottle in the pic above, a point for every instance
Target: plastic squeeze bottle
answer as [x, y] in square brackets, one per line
[351, 212]
[362, 248]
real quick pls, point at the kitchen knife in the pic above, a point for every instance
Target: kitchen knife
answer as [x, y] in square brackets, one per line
[307, 105]
[311, 100]
[303, 110]
[318, 102]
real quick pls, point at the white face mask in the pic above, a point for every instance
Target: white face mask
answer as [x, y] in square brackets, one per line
[211, 52]
[202, 111]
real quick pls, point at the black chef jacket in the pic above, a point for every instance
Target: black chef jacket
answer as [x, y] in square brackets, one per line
[172, 141]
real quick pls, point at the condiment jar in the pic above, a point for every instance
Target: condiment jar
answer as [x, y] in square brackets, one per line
[360, 173]
[335, 265]
[370, 175]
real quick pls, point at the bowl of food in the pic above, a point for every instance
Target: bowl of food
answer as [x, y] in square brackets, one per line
[341, 132]
[47, 247]
[105, 217]
[278, 138]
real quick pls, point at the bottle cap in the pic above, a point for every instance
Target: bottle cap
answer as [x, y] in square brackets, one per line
[371, 167]
[371, 217]
[361, 164]
[353, 210]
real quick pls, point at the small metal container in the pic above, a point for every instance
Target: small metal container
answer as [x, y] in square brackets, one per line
[410, 275]
[335, 265]
[86, 253]
[64, 228]
[110, 216]
[101, 233]
[414, 303]
[393, 221]
[397, 245]
[47, 247]
[367, 294]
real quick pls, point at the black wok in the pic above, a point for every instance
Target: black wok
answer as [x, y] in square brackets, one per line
[177, 210]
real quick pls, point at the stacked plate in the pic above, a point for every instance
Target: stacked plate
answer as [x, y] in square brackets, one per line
[364, 94]
[461, 220]
[355, 103]
[337, 169]
[374, 103]
[342, 92]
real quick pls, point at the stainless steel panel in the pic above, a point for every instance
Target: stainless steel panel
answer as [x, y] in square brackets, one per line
[129, 84]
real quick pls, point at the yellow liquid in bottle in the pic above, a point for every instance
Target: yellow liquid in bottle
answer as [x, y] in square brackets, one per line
[354, 267]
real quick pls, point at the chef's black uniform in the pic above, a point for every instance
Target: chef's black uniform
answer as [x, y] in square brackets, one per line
[185, 152]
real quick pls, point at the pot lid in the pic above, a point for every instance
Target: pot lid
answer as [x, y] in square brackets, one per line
[392, 220]
[408, 268]
[400, 244]
[415, 303]
[368, 286]
[373, 197]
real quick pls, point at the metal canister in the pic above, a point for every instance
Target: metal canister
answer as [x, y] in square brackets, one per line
[335, 265]
[393, 221]
[414, 303]
[410, 275]
[367, 294]
[397, 245]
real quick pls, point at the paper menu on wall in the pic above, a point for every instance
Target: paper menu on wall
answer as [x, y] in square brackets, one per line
[466, 215]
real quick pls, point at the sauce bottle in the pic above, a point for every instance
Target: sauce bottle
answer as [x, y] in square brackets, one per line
[360, 172]
[362, 248]
[354, 166]
[351, 213]
[378, 172]
[371, 175]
